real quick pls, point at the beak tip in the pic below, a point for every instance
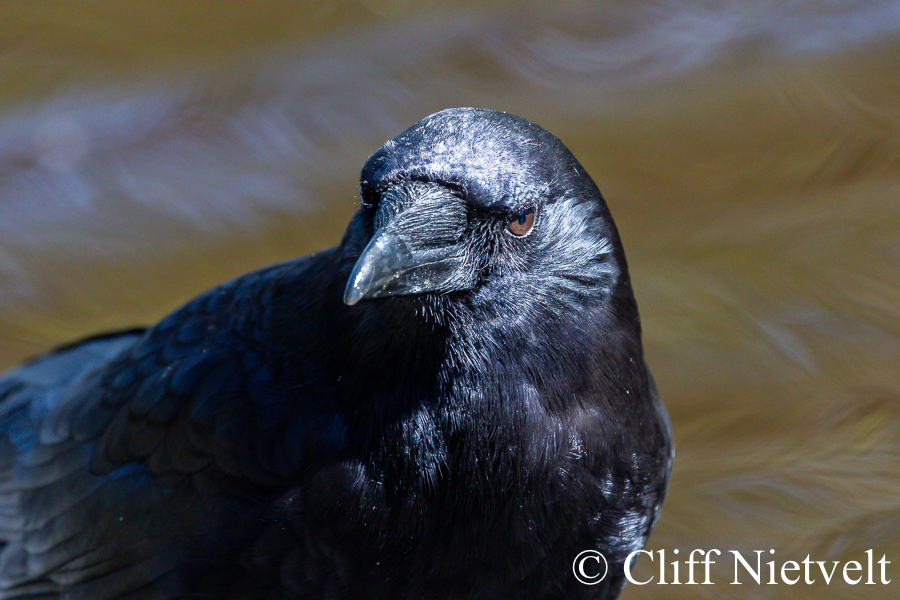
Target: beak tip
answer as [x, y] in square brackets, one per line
[352, 294]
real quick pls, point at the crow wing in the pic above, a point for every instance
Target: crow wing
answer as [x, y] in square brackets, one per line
[119, 451]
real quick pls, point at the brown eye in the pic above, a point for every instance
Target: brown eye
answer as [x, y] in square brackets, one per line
[522, 224]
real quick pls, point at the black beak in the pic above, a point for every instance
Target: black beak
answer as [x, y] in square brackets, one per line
[418, 251]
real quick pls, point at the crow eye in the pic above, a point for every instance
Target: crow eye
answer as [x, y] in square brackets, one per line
[368, 197]
[522, 224]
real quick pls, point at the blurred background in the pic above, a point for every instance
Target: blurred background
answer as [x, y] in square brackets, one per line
[750, 152]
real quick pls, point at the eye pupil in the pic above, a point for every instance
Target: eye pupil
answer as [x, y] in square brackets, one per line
[522, 224]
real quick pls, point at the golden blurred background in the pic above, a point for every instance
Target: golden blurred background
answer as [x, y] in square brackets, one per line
[750, 152]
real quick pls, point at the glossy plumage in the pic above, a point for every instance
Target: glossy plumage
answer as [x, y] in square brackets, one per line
[436, 408]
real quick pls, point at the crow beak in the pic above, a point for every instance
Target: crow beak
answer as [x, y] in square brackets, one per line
[389, 267]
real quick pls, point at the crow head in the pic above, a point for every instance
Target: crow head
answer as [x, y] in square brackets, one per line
[488, 206]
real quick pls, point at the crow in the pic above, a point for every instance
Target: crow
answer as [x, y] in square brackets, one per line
[451, 404]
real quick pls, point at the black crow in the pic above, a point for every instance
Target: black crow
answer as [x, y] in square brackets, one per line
[451, 404]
